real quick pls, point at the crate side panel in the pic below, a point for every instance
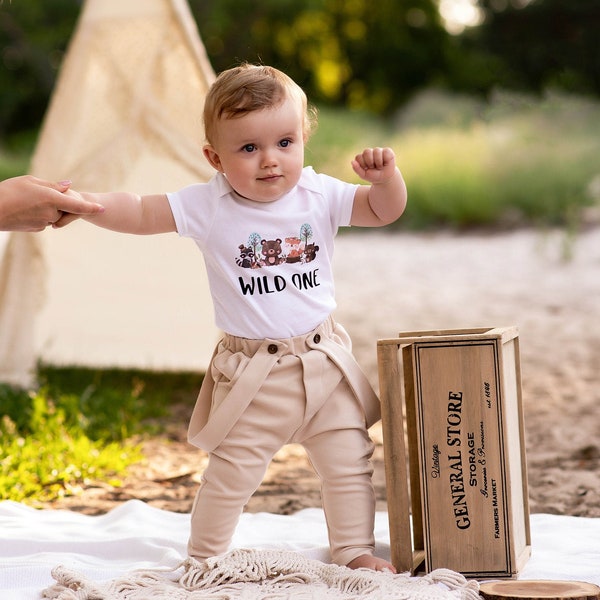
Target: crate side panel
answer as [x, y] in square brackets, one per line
[514, 444]
[396, 457]
[460, 453]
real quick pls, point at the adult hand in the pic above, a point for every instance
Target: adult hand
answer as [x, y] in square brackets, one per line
[31, 204]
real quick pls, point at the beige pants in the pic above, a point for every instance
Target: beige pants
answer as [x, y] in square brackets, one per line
[305, 398]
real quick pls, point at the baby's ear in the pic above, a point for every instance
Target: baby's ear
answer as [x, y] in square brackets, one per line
[212, 157]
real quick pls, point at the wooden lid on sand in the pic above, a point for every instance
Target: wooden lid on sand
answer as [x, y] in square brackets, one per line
[544, 589]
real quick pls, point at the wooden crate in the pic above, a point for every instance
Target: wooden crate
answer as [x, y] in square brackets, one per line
[454, 448]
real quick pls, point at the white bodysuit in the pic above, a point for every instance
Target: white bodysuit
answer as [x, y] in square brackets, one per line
[268, 264]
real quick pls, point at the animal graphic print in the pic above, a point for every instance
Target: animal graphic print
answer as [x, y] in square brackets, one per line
[257, 252]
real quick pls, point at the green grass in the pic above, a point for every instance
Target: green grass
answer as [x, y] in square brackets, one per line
[47, 456]
[116, 404]
[81, 425]
[514, 161]
[447, 177]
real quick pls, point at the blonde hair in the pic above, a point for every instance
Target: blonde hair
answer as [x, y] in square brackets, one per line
[247, 88]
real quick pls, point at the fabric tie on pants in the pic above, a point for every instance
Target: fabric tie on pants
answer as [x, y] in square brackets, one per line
[241, 394]
[209, 426]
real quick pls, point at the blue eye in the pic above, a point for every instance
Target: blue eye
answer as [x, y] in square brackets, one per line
[285, 143]
[249, 148]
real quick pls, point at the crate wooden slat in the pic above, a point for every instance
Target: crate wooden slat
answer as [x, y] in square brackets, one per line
[454, 447]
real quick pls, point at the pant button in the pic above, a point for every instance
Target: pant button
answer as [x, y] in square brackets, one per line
[317, 338]
[272, 349]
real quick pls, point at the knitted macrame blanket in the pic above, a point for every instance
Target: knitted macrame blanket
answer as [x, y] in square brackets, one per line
[262, 575]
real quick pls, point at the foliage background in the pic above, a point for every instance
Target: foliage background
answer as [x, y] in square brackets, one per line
[359, 54]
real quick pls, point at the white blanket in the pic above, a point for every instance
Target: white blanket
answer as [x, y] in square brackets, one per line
[136, 536]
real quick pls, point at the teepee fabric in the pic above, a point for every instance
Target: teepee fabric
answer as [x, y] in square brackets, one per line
[20, 298]
[126, 114]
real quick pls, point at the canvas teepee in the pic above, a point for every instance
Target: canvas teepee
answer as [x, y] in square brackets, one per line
[125, 115]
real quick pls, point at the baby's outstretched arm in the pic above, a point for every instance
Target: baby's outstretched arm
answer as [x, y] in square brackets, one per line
[384, 200]
[127, 213]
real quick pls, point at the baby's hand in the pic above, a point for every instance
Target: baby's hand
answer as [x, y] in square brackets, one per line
[375, 165]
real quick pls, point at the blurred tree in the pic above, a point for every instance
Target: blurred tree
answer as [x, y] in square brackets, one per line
[537, 44]
[358, 53]
[354, 52]
[33, 37]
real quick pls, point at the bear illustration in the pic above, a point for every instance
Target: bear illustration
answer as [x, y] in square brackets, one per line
[310, 252]
[271, 251]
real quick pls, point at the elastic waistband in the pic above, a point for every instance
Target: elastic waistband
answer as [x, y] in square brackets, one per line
[294, 345]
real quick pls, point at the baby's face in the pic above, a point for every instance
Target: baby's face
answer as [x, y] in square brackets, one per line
[261, 153]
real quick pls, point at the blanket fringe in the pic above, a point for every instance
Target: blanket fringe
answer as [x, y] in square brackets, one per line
[277, 567]
[262, 574]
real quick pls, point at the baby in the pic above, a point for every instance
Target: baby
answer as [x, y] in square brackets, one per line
[283, 371]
